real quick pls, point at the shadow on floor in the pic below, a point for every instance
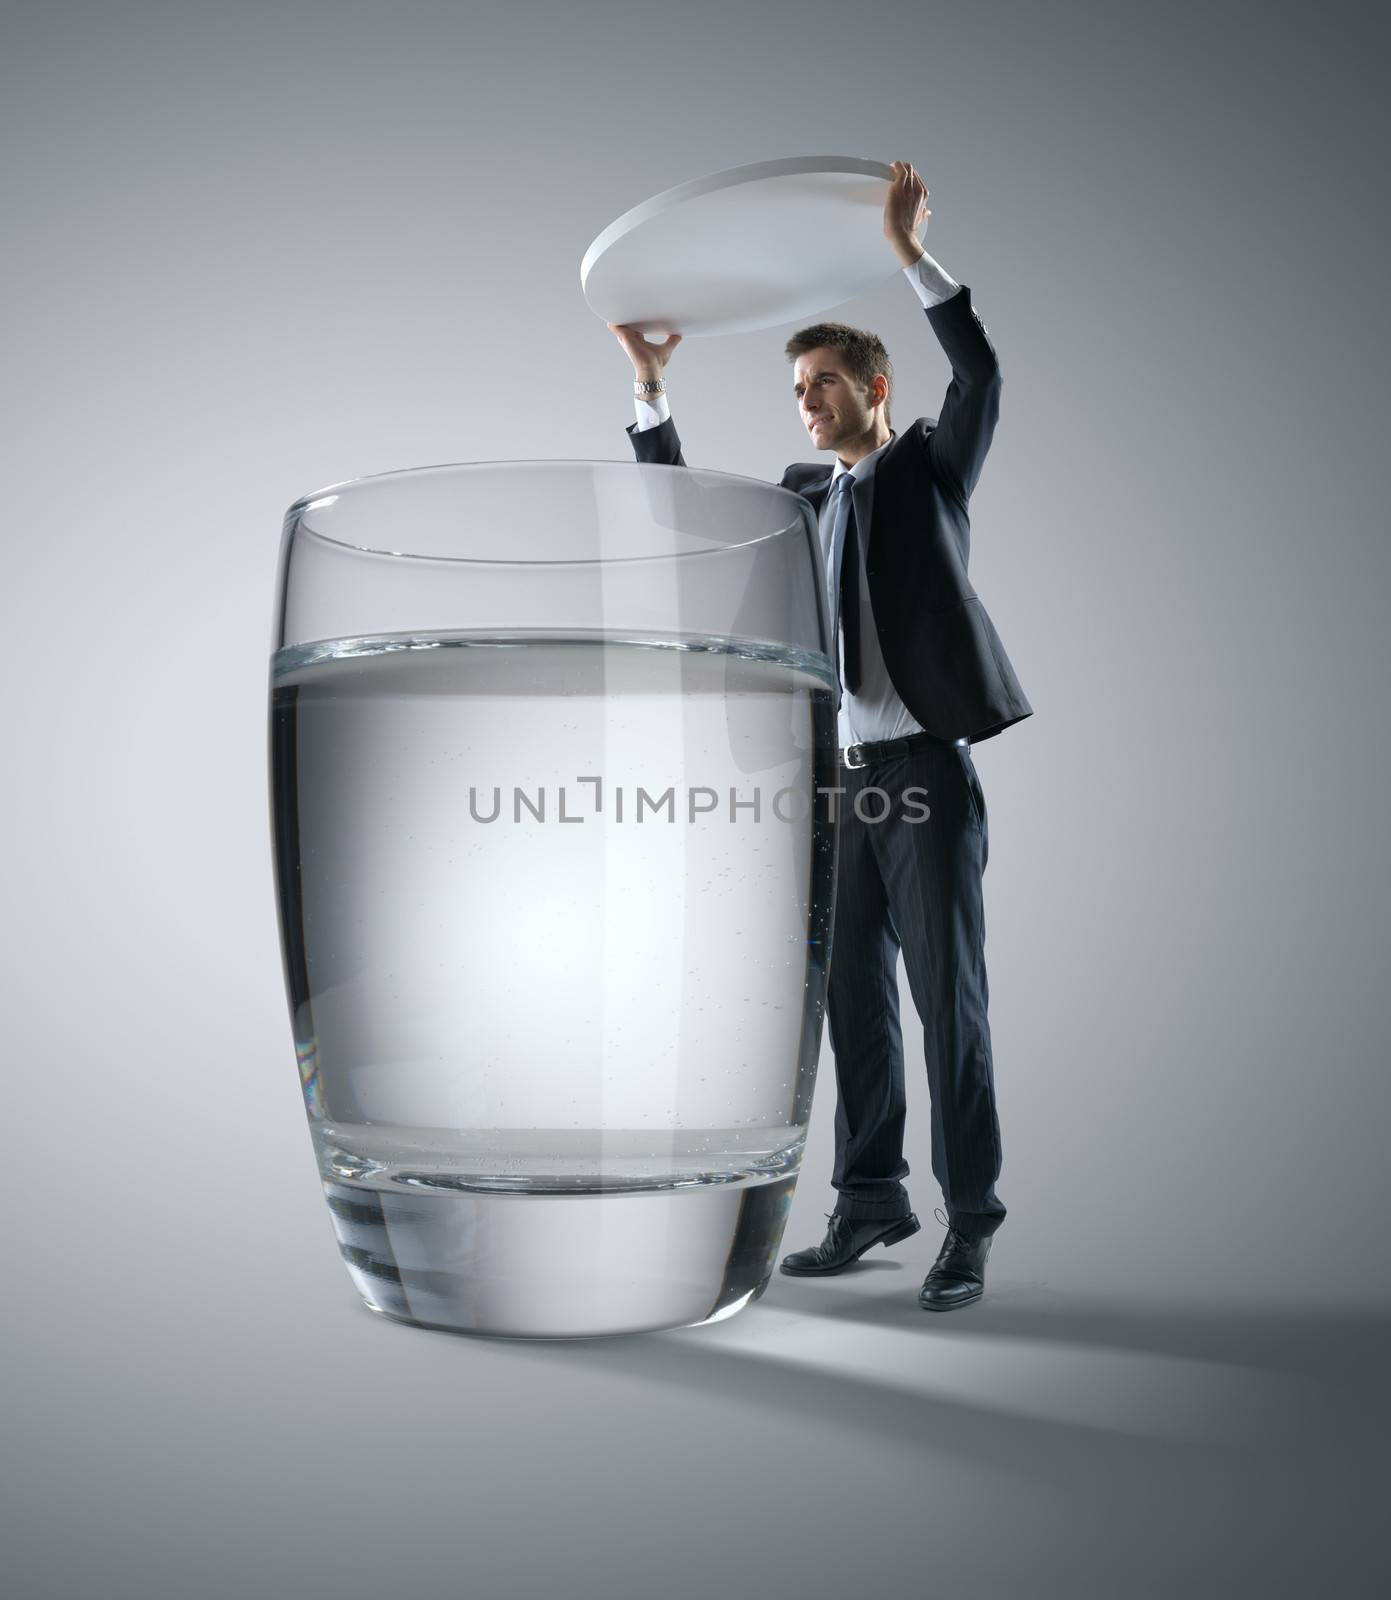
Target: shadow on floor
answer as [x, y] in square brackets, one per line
[1323, 1394]
[1342, 1344]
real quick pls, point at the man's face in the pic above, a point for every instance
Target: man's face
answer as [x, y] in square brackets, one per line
[835, 409]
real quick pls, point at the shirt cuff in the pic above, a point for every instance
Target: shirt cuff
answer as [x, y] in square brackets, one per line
[651, 413]
[931, 283]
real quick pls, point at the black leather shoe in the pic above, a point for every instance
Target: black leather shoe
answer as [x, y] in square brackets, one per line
[846, 1241]
[958, 1274]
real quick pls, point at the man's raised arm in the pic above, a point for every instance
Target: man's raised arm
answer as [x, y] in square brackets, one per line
[958, 444]
[654, 433]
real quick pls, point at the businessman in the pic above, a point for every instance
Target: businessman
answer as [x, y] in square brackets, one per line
[924, 676]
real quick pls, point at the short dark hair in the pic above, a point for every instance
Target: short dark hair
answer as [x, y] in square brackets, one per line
[863, 353]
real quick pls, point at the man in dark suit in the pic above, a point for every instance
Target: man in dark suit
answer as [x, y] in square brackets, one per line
[924, 676]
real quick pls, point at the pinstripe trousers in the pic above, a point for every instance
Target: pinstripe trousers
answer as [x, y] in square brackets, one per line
[914, 886]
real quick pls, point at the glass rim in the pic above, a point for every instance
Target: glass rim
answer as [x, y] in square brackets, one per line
[307, 502]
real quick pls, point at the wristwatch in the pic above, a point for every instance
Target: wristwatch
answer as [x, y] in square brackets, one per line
[642, 387]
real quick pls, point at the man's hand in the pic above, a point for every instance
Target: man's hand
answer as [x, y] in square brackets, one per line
[905, 211]
[648, 359]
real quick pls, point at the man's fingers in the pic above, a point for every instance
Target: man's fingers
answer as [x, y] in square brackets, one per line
[906, 173]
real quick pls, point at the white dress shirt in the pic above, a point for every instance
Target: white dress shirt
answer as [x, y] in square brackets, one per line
[875, 710]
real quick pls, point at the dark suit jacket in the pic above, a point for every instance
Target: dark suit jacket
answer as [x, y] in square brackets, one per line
[943, 656]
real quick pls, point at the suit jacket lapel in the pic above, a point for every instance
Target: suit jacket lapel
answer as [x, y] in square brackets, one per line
[812, 481]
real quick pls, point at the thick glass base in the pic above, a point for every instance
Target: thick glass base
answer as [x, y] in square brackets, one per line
[560, 1266]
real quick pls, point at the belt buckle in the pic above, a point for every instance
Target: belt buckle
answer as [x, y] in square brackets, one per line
[849, 752]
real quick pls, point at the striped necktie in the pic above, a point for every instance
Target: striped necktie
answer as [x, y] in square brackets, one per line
[849, 580]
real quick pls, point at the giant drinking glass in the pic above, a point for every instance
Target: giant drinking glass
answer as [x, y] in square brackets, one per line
[552, 752]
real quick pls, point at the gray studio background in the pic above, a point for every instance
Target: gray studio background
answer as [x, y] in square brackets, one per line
[254, 249]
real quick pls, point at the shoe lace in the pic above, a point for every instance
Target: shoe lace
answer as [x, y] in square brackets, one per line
[953, 1240]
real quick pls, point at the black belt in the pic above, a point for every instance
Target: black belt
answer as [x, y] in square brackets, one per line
[865, 755]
